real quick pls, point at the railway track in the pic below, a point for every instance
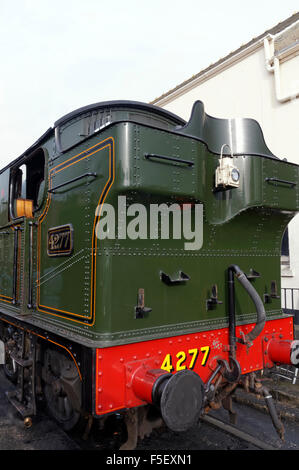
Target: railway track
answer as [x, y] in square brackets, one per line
[212, 433]
[237, 433]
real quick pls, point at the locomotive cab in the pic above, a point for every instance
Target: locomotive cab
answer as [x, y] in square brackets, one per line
[27, 183]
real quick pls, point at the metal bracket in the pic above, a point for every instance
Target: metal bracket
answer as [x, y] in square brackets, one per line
[274, 290]
[170, 282]
[273, 293]
[252, 274]
[210, 303]
[140, 310]
[231, 373]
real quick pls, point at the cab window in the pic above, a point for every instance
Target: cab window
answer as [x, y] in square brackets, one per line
[27, 185]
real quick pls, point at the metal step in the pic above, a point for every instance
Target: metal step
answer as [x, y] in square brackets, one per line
[22, 409]
[23, 398]
[21, 362]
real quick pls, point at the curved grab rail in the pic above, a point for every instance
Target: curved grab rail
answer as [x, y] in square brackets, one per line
[260, 310]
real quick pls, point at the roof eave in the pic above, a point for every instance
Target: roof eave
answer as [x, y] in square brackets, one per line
[224, 62]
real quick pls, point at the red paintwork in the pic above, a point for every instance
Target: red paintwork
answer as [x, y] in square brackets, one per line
[116, 366]
[279, 351]
[144, 380]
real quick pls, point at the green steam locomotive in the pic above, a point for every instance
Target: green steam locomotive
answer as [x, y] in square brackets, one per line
[140, 266]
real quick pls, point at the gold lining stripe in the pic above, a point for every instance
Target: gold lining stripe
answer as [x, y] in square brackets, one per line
[73, 160]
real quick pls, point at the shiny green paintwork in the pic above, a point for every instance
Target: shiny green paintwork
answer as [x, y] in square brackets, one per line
[242, 226]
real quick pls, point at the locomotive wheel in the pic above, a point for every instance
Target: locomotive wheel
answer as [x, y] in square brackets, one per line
[62, 389]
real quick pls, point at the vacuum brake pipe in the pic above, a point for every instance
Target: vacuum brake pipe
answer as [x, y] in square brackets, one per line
[258, 328]
[279, 351]
[261, 314]
[273, 413]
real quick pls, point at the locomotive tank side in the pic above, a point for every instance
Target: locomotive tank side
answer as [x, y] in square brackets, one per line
[182, 319]
[242, 226]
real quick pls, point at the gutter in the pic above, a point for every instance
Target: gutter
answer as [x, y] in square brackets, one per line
[272, 61]
[209, 73]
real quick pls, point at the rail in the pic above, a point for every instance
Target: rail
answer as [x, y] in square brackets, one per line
[289, 304]
[288, 298]
[237, 432]
[287, 372]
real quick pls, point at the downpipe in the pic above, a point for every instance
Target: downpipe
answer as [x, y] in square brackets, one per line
[273, 65]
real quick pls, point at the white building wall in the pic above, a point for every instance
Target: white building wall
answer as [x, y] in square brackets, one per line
[243, 87]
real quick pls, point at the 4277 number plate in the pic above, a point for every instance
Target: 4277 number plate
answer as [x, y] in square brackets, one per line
[60, 240]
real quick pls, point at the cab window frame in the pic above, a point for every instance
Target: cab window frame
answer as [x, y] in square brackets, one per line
[27, 186]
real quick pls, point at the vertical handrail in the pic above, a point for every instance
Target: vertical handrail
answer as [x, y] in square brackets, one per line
[29, 305]
[232, 313]
[15, 265]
